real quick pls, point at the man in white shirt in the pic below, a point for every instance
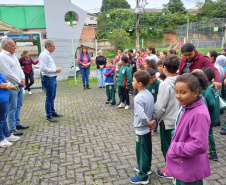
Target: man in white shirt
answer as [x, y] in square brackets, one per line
[49, 73]
[10, 67]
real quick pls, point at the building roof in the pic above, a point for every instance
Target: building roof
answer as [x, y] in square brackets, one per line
[88, 32]
[7, 27]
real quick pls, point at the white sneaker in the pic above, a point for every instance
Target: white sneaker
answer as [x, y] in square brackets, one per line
[5, 143]
[127, 107]
[24, 91]
[122, 105]
[29, 92]
[12, 138]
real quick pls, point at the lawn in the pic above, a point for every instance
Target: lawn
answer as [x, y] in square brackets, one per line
[79, 80]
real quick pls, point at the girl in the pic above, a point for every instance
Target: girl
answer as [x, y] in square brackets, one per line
[140, 67]
[142, 57]
[150, 64]
[189, 145]
[212, 56]
[26, 64]
[220, 63]
[162, 55]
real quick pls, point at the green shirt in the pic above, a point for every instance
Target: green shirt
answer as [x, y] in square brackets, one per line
[125, 76]
[154, 89]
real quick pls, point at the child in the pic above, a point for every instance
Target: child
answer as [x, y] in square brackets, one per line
[160, 68]
[153, 88]
[150, 64]
[162, 77]
[211, 99]
[167, 105]
[109, 73]
[142, 57]
[144, 120]
[140, 67]
[124, 82]
[187, 153]
[118, 66]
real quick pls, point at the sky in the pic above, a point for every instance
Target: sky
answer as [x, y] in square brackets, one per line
[94, 5]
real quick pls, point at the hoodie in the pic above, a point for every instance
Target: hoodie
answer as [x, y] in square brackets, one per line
[167, 106]
[219, 64]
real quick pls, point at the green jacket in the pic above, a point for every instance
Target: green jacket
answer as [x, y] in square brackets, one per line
[153, 89]
[125, 77]
[212, 103]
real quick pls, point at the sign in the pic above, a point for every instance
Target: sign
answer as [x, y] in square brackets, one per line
[215, 29]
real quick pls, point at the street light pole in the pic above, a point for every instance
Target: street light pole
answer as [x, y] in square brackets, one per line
[137, 27]
[187, 29]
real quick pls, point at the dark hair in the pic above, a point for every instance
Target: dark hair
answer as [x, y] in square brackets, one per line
[84, 48]
[224, 50]
[195, 80]
[120, 49]
[188, 47]
[143, 77]
[209, 72]
[172, 52]
[164, 52]
[140, 66]
[130, 56]
[151, 63]
[160, 62]
[130, 51]
[213, 54]
[172, 63]
[151, 49]
[162, 76]
[142, 50]
[125, 59]
[111, 61]
[151, 71]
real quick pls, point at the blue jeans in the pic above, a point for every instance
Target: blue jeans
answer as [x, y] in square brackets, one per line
[50, 85]
[85, 75]
[4, 132]
[101, 77]
[15, 104]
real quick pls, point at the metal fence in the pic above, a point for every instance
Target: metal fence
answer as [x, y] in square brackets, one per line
[207, 33]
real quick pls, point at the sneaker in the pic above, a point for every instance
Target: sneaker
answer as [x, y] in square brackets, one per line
[122, 105]
[136, 168]
[29, 92]
[137, 180]
[24, 92]
[162, 174]
[16, 132]
[12, 138]
[112, 103]
[223, 132]
[213, 157]
[127, 107]
[153, 132]
[107, 102]
[5, 143]
[222, 128]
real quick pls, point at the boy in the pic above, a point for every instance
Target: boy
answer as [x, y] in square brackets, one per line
[211, 99]
[109, 73]
[160, 69]
[153, 88]
[167, 106]
[124, 81]
[115, 84]
[144, 120]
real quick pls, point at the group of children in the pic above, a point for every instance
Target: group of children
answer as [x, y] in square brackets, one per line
[185, 108]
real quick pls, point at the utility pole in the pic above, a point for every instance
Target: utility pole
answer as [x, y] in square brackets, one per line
[137, 27]
[187, 28]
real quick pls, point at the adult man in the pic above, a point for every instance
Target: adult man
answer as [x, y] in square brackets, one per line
[10, 67]
[49, 72]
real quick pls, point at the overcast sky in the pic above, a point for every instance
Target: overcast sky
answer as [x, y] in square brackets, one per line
[94, 5]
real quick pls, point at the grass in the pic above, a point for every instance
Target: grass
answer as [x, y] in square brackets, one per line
[79, 80]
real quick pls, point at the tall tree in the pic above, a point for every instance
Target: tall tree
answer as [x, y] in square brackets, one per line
[175, 6]
[113, 4]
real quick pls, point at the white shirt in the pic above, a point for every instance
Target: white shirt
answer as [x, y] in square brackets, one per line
[46, 64]
[10, 67]
[151, 56]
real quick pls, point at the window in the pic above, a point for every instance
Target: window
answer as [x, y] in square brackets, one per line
[92, 18]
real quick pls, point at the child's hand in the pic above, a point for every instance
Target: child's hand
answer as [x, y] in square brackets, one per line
[127, 87]
[152, 124]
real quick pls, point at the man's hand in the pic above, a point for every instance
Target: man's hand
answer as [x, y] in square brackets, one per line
[14, 87]
[152, 124]
[217, 85]
[58, 70]
[22, 84]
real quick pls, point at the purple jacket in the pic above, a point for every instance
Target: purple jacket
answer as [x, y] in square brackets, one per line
[187, 159]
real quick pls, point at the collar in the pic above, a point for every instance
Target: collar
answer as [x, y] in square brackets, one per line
[199, 102]
[47, 51]
[196, 56]
[7, 53]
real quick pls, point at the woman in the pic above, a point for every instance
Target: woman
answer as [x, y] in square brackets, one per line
[212, 56]
[5, 135]
[142, 57]
[26, 64]
[101, 67]
[192, 59]
[84, 61]
[162, 55]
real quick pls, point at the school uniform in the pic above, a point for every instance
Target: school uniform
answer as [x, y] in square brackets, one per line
[110, 84]
[116, 86]
[153, 88]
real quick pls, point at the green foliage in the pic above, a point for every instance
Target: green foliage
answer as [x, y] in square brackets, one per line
[175, 6]
[113, 4]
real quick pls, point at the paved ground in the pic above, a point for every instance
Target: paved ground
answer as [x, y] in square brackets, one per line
[92, 144]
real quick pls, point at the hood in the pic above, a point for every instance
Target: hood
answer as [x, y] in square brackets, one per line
[195, 104]
[220, 63]
[171, 80]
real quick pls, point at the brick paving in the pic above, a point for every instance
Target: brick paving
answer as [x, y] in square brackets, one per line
[93, 144]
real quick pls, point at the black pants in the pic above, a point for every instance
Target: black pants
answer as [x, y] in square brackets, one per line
[31, 78]
[125, 95]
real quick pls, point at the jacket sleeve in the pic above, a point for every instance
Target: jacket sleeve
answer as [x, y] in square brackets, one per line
[105, 62]
[162, 100]
[32, 61]
[199, 138]
[208, 63]
[139, 109]
[129, 74]
[91, 61]
[110, 72]
[79, 59]
[181, 65]
[97, 62]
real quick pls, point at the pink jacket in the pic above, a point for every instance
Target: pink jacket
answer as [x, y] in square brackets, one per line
[142, 60]
[187, 158]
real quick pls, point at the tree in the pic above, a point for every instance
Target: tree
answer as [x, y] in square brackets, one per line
[114, 4]
[175, 6]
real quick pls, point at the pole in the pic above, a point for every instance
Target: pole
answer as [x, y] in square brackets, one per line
[142, 43]
[71, 20]
[137, 28]
[187, 29]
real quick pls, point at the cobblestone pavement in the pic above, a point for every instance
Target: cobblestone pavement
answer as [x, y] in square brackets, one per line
[93, 144]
